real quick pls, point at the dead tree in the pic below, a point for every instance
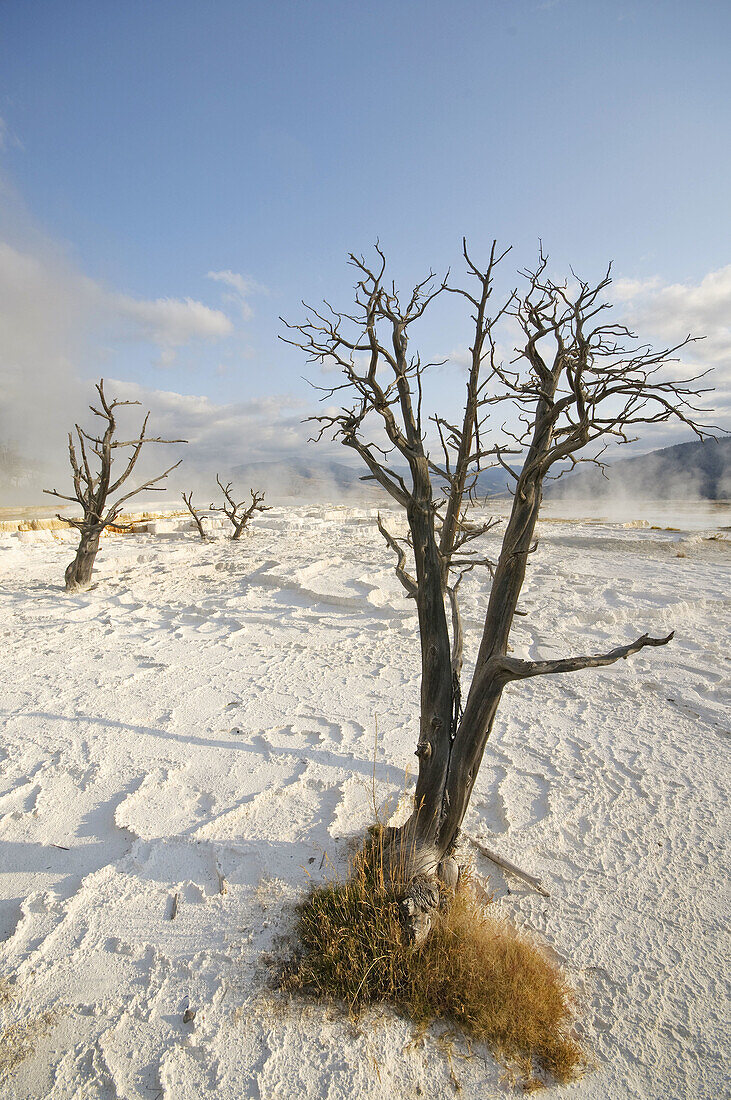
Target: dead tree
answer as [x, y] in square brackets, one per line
[237, 514]
[576, 383]
[93, 487]
[188, 501]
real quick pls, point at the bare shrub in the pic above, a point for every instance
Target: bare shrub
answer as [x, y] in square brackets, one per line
[188, 501]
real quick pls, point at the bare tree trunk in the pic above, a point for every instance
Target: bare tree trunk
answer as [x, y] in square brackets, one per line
[188, 500]
[488, 681]
[576, 382]
[448, 765]
[92, 487]
[417, 850]
[78, 572]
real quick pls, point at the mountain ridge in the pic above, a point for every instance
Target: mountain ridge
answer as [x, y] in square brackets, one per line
[697, 470]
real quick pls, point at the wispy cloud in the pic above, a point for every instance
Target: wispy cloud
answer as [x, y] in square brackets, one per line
[59, 328]
[46, 303]
[672, 311]
[8, 138]
[221, 436]
[170, 323]
[240, 289]
[55, 324]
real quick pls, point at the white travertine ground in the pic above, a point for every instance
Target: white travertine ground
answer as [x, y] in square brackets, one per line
[203, 720]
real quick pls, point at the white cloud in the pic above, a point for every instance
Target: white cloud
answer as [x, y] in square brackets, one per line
[220, 436]
[60, 329]
[624, 290]
[52, 321]
[169, 323]
[242, 286]
[671, 311]
[460, 358]
[224, 434]
[666, 313]
[46, 304]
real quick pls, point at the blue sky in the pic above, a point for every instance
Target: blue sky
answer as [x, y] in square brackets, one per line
[149, 144]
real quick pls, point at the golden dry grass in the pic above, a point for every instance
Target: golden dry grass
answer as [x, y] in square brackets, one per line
[474, 971]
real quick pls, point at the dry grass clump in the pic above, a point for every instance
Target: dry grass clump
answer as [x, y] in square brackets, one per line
[474, 971]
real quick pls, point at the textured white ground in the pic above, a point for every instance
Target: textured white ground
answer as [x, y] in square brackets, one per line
[205, 715]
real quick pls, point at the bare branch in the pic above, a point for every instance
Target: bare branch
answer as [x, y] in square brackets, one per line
[235, 511]
[148, 486]
[188, 501]
[406, 579]
[510, 668]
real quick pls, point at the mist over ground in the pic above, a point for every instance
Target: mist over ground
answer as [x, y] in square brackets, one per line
[60, 330]
[694, 471]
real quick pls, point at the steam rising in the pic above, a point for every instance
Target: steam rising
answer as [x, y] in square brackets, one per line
[57, 326]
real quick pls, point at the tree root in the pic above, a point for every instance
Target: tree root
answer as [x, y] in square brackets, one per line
[427, 892]
[419, 906]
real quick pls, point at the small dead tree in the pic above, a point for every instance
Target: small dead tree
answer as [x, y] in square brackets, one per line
[576, 383]
[237, 513]
[188, 501]
[95, 481]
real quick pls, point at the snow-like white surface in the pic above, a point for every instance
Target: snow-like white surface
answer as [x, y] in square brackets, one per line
[201, 724]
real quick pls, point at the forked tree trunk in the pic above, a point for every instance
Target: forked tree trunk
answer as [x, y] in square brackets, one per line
[575, 383]
[451, 747]
[78, 572]
[450, 754]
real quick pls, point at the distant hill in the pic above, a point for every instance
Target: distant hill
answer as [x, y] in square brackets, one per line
[306, 480]
[700, 470]
[323, 479]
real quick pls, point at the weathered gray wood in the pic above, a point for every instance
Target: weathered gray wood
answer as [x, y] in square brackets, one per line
[188, 501]
[596, 384]
[94, 481]
[508, 865]
[234, 510]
